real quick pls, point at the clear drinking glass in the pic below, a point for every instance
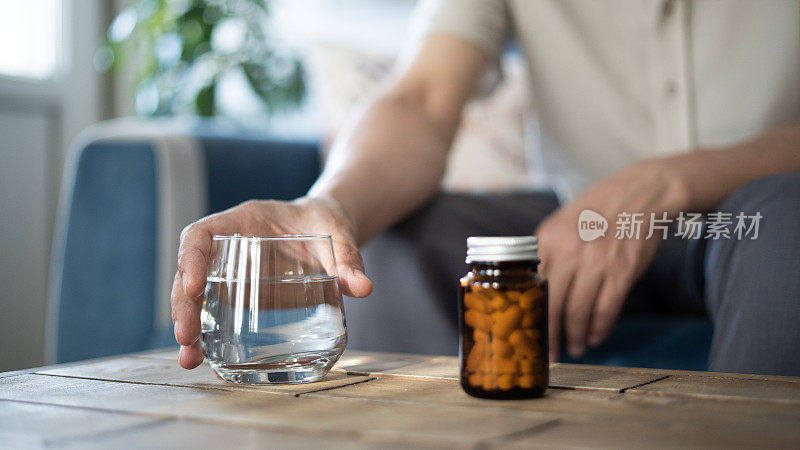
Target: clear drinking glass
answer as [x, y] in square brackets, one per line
[273, 310]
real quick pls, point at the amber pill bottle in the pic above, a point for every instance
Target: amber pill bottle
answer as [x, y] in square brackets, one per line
[503, 319]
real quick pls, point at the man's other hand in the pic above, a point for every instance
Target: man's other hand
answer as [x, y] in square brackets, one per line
[589, 281]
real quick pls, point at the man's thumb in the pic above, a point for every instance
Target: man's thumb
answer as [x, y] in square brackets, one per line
[352, 279]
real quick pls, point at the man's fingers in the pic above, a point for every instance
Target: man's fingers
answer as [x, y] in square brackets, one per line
[196, 242]
[190, 356]
[578, 309]
[186, 317]
[560, 277]
[352, 279]
[185, 313]
[607, 309]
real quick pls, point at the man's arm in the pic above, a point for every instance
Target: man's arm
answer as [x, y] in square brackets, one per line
[708, 176]
[391, 158]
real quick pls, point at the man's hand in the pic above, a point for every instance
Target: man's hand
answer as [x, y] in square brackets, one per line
[589, 281]
[260, 218]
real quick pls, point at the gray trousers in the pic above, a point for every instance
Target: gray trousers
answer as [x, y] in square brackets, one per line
[750, 289]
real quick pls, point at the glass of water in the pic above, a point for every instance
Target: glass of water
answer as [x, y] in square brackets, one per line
[273, 310]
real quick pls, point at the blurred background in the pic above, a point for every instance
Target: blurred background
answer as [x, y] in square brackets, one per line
[288, 69]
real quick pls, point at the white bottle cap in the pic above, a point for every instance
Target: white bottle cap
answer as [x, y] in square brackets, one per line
[502, 248]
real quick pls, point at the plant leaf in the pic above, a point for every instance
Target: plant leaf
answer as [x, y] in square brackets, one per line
[204, 100]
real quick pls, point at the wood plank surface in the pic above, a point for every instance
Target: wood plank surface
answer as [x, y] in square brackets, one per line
[387, 422]
[372, 421]
[696, 419]
[174, 434]
[617, 379]
[641, 434]
[168, 373]
[375, 421]
[565, 376]
[725, 386]
[26, 425]
[387, 400]
[97, 394]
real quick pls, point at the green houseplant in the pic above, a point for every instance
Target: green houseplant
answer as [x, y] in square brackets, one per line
[179, 50]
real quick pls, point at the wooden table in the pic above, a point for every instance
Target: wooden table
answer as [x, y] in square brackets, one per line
[386, 400]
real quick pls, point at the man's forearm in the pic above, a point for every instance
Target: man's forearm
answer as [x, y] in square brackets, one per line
[386, 164]
[708, 176]
[391, 159]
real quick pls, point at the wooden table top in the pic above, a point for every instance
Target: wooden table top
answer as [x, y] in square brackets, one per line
[385, 400]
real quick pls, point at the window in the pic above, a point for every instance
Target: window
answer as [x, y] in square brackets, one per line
[30, 38]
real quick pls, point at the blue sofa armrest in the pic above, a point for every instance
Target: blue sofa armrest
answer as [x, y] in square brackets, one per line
[111, 267]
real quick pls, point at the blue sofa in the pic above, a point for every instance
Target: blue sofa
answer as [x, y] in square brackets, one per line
[130, 186]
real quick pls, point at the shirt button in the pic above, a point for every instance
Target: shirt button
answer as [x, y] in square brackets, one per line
[667, 8]
[670, 88]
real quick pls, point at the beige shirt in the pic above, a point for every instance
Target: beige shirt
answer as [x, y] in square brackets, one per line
[614, 81]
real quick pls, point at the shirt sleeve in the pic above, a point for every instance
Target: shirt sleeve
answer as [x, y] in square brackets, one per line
[484, 23]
